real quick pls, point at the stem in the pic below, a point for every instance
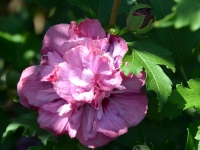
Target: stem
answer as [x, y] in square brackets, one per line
[123, 31]
[113, 16]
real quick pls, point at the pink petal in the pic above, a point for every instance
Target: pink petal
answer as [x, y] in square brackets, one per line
[132, 83]
[54, 107]
[101, 44]
[132, 108]
[99, 64]
[67, 123]
[38, 93]
[72, 44]
[117, 49]
[31, 71]
[108, 83]
[99, 140]
[110, 123]
[76, 55]
[88, 122]
[61, 84]
[54, 38]
[88, 28]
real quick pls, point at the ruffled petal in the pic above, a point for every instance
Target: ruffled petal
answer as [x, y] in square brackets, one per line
[61, 84]
[117, 49]
[76, 55]
[38, 93]
[110, 123]
[88, 28]
[67, 123]
[132, 108]
[54, 38]
[131, 83]
[99, 140]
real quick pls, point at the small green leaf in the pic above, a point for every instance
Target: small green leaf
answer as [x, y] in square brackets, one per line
[16, 99]
[11, 128]
[45, 136]
[187, 97]
[28, 121]
[147, 55]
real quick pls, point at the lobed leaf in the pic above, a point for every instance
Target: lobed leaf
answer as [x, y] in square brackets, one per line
[187, 97]
[147, 55]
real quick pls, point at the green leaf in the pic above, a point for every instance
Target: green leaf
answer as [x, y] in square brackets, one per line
[31, 128]
[191, 141]
[147, 55]
[169, 110]
[10, 128]
[184, 13]
[45, 136]
[187, 97]
[179, 42]
[28, 121]
[99, 9]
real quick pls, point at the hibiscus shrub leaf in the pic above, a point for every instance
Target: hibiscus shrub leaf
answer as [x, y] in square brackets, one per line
[31, 127]
[187, 97]
[184, 13]
[148, 56]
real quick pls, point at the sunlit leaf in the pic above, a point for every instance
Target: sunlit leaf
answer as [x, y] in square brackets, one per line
[148, 56]
[187, 97]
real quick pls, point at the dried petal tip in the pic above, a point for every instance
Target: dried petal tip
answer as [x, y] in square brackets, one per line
[140, 19]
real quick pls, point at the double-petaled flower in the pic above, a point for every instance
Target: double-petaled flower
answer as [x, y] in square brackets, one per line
[78, 88]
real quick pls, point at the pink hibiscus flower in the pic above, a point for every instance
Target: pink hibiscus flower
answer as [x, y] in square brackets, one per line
[78, 88]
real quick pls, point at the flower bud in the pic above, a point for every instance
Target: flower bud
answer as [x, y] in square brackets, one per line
[140, 19]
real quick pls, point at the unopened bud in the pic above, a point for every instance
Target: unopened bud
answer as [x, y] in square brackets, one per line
[140, 19]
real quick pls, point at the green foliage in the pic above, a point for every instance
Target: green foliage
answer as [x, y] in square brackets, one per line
[147, 55]
[191, 141]
[31, 128]
[181, 42]
[184, 13]
[186, 97]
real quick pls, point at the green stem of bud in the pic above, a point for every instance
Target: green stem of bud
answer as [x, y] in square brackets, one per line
[113, 16]
[123, 31]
